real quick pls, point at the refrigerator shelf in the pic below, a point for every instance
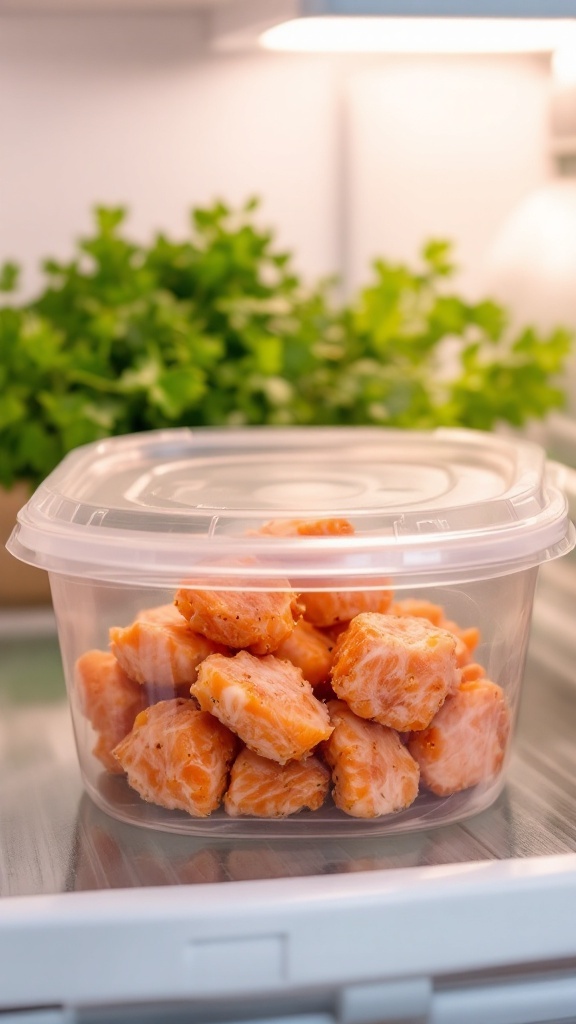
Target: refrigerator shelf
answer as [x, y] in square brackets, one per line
[102, 921]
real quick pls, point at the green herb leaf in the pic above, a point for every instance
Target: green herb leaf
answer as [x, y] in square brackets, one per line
[218, 327]
[9, 276]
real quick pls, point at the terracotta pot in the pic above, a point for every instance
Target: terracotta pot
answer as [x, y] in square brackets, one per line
[20, 584]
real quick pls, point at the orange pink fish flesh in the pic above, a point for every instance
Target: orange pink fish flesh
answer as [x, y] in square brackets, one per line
[178, 757]
[332, 607]
[466, 638]
[256, 620]
[161, 654]
[373, 772]
[310, 650]
[466, 742]
[395, 670]
[472, 671]
[161, 615]
[265, 701]
[266, 789]
[109, 699]
[307, 528]
[419, 608]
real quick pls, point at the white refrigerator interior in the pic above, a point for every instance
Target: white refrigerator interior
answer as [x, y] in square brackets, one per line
[353, 156]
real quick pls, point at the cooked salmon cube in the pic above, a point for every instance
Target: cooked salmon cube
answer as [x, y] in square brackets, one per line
[466, 742]
[265, 701]
[178, 757]
[102, 750]
[372, 770]
[109, 699]
[472, 671]
[266, 789]
[307, 528]
[333, 607]
[419, 608]
[257, 620]
[395, 670]
[466, 638]
[310, 650]
[160, 653]
[161, 615]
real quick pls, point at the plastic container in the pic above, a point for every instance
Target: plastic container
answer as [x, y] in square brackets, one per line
[407, 559]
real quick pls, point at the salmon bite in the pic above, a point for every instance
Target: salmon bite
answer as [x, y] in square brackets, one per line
[266, 789]
[266, 702]
[178, 757]
[257, 621]
[395, 670]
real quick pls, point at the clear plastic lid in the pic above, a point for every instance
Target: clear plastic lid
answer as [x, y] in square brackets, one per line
[157, 508]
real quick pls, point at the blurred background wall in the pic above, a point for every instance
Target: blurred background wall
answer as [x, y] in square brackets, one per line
[352, 156]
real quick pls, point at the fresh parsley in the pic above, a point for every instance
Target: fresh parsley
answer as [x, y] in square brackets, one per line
[218, 328]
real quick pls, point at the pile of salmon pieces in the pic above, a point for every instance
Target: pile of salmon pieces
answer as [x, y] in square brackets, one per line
[267, 702]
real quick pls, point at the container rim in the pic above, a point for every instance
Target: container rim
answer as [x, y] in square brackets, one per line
[516, 518]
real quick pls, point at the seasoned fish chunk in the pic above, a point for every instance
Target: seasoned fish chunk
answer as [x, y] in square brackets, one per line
[419, 608]
[395, 670]
[256, 620]
[466, 741]
[265, 701]
[310, 650]
[373, 773]
[161, 615]
[266, 789]
[178, 757]
[160, 653]
[108, 699]
[472, 671]
[332, 607]
[467, 638]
